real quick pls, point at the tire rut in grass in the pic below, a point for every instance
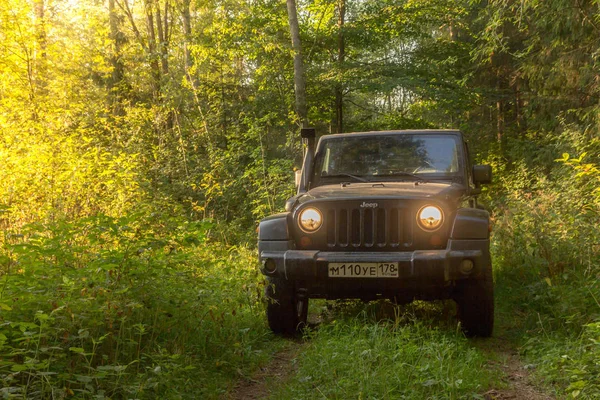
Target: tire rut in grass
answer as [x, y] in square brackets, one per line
[270, 376]
[519, 385]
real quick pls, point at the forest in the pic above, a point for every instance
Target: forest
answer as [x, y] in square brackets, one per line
[141, 141]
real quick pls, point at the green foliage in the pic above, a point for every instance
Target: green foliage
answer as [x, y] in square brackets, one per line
[50, 177]
[588, 174]
[117, 145]
[396, 54]
[569, 362]
[359, 356]
[546, 250]
[136, 306]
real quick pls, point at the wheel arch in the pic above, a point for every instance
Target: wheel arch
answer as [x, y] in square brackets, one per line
[470, 223]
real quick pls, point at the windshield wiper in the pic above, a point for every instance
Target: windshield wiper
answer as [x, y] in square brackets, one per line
[402, 173]
[355, 177]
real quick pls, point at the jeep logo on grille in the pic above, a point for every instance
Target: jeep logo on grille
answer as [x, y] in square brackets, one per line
[369, 205]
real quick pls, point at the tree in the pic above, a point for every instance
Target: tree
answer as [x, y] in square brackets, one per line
[116, 83]
[339, 88]
[299, 80]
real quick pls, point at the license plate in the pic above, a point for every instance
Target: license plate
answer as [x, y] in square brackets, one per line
[363, 270]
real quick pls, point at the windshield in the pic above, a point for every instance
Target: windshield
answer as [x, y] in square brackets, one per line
[387, 157]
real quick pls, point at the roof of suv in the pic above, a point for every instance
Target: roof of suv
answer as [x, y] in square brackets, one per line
[397, 132]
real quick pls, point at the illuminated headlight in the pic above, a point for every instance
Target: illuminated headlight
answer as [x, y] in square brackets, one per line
[310, 220]
[430, 218]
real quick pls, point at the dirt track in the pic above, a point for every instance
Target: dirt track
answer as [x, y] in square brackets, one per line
[503, 357]
[516, 375]
[274, 374]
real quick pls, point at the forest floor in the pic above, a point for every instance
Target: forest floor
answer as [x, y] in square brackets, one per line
[515, 381]
[273, 375]
[504, 358]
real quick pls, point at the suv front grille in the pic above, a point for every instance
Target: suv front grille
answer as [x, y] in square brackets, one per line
[375, 228]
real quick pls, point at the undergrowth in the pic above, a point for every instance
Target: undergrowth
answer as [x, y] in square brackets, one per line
[557, 328]
[140, 306]
[363, 354]
[547, 256]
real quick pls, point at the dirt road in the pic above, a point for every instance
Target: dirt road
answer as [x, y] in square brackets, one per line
[515, 380]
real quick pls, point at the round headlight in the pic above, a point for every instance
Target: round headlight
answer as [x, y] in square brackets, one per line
[310, 220]
[430, 218]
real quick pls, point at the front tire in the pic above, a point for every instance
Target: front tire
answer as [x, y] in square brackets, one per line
[287, 310]
[475, 301]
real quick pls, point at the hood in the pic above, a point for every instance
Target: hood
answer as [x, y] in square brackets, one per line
[385, 190]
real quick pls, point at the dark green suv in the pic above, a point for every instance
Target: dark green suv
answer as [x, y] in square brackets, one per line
[389, 214]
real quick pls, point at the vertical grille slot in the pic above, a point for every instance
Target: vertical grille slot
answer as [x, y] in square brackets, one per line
[394, 228]
[368, 227]
[355, 232]
[342, 228]
[381, 228]
[400, 222]
[331, 228]
[407, 230]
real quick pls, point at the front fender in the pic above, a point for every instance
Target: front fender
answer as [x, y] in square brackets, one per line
[471, 223]
[274, 234]
[274, 227]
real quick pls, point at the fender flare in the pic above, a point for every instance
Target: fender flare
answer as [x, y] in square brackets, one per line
[471, 223]
[275, 227]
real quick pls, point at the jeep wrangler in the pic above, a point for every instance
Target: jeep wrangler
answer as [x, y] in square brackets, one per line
[381, 215]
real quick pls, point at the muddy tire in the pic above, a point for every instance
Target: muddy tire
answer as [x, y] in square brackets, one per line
[286, 310]
[475, 301]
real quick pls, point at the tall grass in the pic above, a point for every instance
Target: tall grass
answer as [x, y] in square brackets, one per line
[547, 259]
[398, 357]
[133, 307]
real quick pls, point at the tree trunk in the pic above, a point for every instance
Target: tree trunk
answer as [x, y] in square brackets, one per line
[339, 100]
[162, 28]
[127, 10]
[299, 79]
[154, 65]
[116, 81]
[520, 106]
[41, 58]
[500, 120]
[187, 34]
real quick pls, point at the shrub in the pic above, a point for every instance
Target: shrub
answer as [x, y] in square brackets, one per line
[125, 307]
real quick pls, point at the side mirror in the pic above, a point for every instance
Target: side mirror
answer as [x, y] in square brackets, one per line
[482, 174]
[298, 176]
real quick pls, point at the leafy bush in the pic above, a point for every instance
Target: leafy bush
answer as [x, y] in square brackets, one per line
[569, 362]
[546, 253]
[137, 306]
[53, 176]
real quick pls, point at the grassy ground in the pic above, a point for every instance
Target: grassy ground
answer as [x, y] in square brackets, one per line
[140, 308]
[417, 351]
[127, 308]
[554, 325]
[379, 351]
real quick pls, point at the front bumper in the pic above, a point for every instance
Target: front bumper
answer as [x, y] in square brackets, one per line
[419, 271]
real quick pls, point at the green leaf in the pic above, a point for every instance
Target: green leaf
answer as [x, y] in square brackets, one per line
[577, 385]
[19, 368]
[84, 378]
[77, 350]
